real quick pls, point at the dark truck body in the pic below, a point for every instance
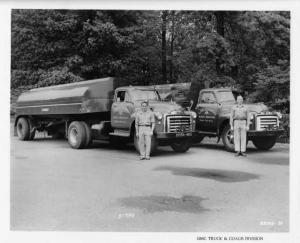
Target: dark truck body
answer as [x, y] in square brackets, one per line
[75, 98]
[97, 109]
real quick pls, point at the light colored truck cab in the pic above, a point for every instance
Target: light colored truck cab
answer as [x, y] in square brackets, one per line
[213, 113]
[174, 125]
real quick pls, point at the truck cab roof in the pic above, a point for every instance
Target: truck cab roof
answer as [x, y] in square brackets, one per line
[216, 89]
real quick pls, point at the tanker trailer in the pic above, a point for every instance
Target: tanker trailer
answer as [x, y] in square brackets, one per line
[96, 109]
[58, 109]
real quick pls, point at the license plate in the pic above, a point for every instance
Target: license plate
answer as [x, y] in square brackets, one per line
[183, 134]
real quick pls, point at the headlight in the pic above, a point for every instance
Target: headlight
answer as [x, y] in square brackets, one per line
[158, 115]
[194, 115]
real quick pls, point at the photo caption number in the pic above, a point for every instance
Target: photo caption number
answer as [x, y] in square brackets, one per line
[126, 215]
[271, 223]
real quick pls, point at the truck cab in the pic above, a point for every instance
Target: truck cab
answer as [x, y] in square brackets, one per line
[173, 125]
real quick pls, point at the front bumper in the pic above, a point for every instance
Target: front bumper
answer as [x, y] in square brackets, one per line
[163, 135]
[265, 133]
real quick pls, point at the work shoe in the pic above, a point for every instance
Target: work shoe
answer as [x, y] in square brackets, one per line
[243, 154]
[142, 158]
[147, 158]
[237, 154]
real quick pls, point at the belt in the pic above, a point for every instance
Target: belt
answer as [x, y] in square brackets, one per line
[144, 125]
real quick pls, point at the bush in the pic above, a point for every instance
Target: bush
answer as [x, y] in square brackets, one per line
[285, 121]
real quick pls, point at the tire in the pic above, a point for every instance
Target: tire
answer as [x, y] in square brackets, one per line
[181, 146]
[76, 135]
[153, 144]
[32, 129]
[264, 143]
[88, 131]
[23, 129]
[227, 138]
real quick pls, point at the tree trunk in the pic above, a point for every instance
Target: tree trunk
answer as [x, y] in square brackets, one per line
[221, 31]
[172, 47]
[220, 18]
[164, 47]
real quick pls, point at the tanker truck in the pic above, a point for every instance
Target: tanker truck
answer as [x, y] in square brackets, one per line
[99, 110]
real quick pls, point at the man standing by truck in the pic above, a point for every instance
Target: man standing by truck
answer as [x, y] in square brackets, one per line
[144, 125]
[239, 123]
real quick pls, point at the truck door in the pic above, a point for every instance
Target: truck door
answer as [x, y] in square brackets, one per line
[207, 112]
[121, 110]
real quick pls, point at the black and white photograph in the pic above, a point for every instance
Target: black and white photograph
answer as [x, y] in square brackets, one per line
[150, 120]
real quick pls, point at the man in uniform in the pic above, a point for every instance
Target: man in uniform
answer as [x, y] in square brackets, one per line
[144, 126]
[239, 123]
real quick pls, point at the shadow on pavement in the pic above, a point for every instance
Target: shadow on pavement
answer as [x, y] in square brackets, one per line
[213, 174]
[153, 204]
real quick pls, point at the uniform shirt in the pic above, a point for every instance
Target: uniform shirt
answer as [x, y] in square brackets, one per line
[144, 118]
[239, 112]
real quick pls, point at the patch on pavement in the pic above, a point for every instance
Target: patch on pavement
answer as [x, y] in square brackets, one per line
[218, 175]
[153, 204]
[272, 160]
[20, 157]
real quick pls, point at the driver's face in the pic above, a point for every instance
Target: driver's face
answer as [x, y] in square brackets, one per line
[144, 107]
[239, 100]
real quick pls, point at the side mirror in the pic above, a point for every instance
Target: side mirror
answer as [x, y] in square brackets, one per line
[118, 99]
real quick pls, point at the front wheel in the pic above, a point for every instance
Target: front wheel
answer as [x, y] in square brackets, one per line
[153, 144]
[264, 143]
[227, 138]
[181, 146]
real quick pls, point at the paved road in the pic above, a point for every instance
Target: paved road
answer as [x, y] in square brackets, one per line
[54, 187]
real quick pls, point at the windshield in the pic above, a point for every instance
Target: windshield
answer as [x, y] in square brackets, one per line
[145, 95]
[225, 96]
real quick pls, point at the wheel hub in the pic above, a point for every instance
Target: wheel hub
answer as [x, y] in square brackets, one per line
[73, 136]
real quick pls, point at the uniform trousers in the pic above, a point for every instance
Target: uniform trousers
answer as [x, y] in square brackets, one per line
[145, 141]
[240, 135]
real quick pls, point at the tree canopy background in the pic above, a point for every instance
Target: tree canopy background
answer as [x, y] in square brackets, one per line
[248, 50]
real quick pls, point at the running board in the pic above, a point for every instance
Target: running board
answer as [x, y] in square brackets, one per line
[208, 133]
[120, 133]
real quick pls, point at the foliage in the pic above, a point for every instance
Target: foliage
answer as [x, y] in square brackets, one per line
[245, 49]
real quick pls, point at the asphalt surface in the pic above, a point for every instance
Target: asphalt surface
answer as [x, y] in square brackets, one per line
[207, 189]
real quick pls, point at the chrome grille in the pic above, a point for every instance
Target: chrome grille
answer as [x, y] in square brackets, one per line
[267, 123]
[176, 123]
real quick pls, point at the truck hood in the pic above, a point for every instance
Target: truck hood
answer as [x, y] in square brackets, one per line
[253, 107]
[163, 107]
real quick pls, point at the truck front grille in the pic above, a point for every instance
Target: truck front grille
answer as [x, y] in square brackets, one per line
[267, 123]
[176, 123]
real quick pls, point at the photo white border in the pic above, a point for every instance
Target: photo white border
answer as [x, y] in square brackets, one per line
[56, 236]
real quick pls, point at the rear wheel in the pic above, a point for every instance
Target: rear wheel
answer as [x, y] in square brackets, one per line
[88, 131]
[23, 129]
[32, 129]
[181, 146]
[76, 135]
[264, 143]
[227, 138]
[153, 144]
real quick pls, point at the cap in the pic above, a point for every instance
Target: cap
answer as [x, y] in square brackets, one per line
[144, 102]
